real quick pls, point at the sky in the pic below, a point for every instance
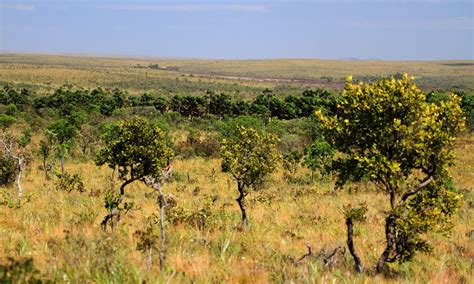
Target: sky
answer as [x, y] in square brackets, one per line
[325, 29]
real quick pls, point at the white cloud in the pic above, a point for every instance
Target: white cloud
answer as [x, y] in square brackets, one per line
[17, 6]
[187, 7]
[455, 23]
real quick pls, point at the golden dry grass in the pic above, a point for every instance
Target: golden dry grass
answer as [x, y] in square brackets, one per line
[61, 231]
[50, 71]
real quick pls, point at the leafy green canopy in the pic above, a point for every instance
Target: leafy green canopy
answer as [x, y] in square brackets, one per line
[387, 130]
[136, 148]
[249, 155]
[319, 156]
[388, 133]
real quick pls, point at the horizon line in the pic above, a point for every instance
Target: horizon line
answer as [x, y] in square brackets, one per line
[156, 57]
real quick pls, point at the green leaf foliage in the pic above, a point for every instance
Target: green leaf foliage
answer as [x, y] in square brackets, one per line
[8, 170]
[136, 148]
[356, 214]
[388, 133]
[249, 155]
[319, 156]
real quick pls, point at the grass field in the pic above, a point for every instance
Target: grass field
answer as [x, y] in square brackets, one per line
[61, 231]
[242, 77]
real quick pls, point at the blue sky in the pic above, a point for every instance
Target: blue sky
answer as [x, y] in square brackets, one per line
[327, 29]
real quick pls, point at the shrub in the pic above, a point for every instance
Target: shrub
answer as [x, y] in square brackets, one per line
[249, 157]
[70, 182]
[20, 271]
[8, 171]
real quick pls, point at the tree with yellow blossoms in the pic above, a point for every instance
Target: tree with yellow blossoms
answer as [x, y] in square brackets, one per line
[386, 132]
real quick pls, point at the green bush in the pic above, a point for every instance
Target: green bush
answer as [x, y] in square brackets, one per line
[20, 271]
[70, 182]
[8, 171]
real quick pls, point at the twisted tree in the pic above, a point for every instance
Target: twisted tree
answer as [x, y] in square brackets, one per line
[387, 133]
[136, 149]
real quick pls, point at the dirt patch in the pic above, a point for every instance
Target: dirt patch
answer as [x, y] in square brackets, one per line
[311, 82]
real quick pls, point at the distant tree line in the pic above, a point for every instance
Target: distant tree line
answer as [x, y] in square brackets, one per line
[67, 100]
[221, 105]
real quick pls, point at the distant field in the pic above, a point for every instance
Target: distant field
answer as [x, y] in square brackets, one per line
[241, 78]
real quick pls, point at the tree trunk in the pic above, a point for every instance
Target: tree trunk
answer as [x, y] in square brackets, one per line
[149, 258]
[20, 172]
[45, 169]
[84, 149]
[122, 188]
[240, 200]
[389, 236]
[62, 164]
[162, 204]
[115, 211]
[350, 244]
[156, 184]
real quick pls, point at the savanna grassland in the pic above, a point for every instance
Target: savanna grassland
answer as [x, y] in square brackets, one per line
[61, 231]
[237, 77]
[53, 234]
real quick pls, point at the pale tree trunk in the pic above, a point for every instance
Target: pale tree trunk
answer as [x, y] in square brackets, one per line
[149, 258]
[20, 172]
[162, 205]
[156, 183]
[8, 145]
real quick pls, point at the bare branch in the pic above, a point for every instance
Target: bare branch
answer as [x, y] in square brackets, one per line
[414, 191]
[327, 259]
[330, 259]
[308, 254]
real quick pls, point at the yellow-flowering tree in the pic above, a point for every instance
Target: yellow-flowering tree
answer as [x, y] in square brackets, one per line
[137, 150]
[248, 156]
[388, 133]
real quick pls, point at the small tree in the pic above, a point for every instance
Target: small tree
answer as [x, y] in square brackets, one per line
[87, 138]
[292, 160]
[140, 151]
[387, 133]
[45, 150]
[248, 156]
[319, 157]
[137, 149]
[62, 132]
[15, 148]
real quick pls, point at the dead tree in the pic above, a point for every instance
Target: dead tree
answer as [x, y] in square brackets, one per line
[156, 183]
[8, 144]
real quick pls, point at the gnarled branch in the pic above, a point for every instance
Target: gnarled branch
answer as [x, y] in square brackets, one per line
[301, 258]
[414, 191]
